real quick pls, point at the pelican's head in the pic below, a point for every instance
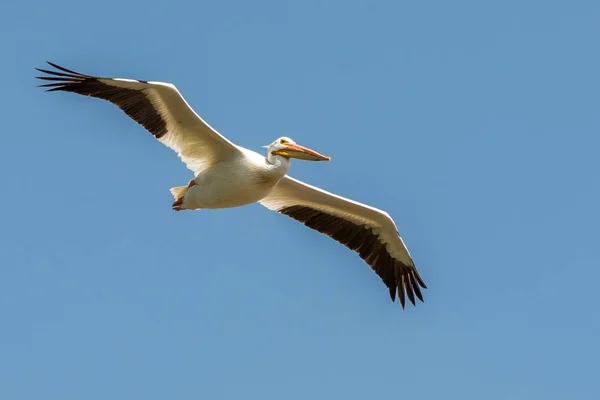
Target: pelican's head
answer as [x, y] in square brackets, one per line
[286, 147]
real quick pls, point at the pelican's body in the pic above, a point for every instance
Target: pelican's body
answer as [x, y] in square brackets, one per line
[227, 175]
[241, 180]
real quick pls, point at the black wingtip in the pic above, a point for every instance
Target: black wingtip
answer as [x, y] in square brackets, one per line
[51, 84]
[410, 288]
[69, 70]
[411, 296]
[66, 72]
[55, 73]
[50, 78]
[59, 80]
[401, 294]
[418, 293]
[418, 278]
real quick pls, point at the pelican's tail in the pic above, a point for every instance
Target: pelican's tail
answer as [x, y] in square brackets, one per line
[179, 192]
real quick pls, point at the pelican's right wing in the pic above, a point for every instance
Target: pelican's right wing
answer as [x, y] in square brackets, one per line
[367, 230]
[158, 107]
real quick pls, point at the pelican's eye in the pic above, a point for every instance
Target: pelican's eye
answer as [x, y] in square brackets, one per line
[283, 141]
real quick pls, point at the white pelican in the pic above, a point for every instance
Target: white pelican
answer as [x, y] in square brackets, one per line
[227, 175]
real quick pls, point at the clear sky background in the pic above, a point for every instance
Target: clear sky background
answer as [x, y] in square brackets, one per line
[476, 125]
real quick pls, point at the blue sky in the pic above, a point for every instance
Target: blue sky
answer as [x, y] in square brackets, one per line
[476, 125]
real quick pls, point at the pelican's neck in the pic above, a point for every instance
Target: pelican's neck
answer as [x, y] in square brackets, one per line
[278, 163]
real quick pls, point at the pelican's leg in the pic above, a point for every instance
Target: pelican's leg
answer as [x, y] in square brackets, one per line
[179, 202]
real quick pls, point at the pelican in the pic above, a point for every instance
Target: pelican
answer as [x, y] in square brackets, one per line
[227, 175]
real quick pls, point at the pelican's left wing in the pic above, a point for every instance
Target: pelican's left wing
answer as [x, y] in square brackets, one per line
[370, 232]
[158, 107]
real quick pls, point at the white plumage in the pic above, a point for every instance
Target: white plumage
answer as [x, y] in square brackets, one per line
[227, 175]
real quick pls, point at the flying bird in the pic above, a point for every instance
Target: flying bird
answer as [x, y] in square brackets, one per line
[227, 175]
